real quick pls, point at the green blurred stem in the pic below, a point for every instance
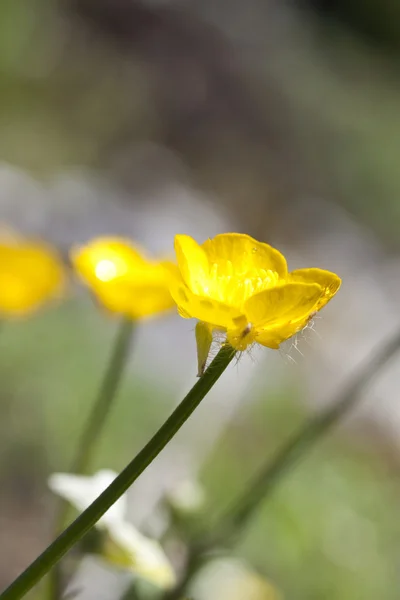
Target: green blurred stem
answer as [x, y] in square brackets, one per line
[105, 397]
[94, 426]
[243, 510]
[303, 440]
[34, 573]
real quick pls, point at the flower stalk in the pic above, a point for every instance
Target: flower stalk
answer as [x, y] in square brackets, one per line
[94, 426]
[106, 394]
[303, 440]
[56, 550]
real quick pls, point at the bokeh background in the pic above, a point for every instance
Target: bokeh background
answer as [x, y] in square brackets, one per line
[154, 117]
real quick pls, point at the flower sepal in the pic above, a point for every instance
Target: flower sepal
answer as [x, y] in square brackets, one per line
[203, 340]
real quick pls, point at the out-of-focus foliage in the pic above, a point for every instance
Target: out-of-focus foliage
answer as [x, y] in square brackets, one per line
[377, 23]
[331, 529]
[326, 106]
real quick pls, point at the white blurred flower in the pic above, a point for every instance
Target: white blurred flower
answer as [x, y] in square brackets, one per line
[81, 491]
[139, 553]
[188, 496]
[232, 579]
[124, 545]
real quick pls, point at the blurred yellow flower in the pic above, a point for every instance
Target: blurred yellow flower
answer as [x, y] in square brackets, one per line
[31, 273]
[122, 278]
[233, 283]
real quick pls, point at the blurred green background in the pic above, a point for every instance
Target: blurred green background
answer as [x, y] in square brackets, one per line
[262, 111]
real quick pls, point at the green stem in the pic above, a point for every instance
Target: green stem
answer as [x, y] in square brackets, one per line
[34, 573]
[239, 515]
[94, 426]
[303, 440]
[106, 394]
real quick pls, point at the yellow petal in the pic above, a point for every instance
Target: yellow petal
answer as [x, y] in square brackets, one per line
[273, 336]
[329, 282]
[193, 306]
[192, 263]
[30, 274]
[280, 305]
[134, 300]
[286, 309]
[245, 254]
[203, 341]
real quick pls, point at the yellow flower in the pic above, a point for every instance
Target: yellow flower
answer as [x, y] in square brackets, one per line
[233, 283]
[122, 279]
[31, 273]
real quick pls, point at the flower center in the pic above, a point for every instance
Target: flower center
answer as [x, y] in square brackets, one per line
[234, 288]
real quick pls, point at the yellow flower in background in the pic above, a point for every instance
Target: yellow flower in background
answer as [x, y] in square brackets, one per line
[122, 278]
[31, 274]
[233, 283]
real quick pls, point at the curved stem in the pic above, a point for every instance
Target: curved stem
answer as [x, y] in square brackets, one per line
[243, 510]
[238, 516]
[94, 425]
[119, 486]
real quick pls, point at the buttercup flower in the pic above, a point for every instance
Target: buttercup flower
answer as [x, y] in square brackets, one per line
[31, 273]
[233, 283]
[122, 278]
[123, 544]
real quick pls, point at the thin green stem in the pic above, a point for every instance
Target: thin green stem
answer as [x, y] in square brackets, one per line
[106, 394]
[34, 573]
[242, 511]
[303, 440]
[94, 426]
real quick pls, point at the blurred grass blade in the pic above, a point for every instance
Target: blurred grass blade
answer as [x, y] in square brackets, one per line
[301, 442]
[35, 572]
